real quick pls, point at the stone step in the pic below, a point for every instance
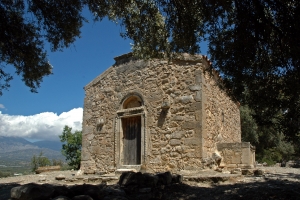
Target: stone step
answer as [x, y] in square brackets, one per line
[120, 171]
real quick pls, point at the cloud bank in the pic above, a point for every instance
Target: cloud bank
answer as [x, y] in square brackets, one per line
[43, 126]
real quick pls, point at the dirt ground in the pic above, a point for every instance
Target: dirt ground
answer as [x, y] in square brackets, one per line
[275, 183]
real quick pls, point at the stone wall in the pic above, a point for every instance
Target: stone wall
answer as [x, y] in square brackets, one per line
[184, 114]
[237, 155]
[222, 115]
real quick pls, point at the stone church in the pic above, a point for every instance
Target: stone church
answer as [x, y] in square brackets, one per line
[158, 115]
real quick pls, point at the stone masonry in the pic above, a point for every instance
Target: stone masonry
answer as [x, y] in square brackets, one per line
[156, 116]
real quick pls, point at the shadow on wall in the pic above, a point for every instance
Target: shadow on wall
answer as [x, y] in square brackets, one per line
[162, 118]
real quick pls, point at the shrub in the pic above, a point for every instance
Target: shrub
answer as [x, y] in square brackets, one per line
[39, 161]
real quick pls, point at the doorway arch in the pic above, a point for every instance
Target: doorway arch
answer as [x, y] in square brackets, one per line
[130, 132]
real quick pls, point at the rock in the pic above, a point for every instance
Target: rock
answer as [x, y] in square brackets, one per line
[82, 197]
[93, 191]
[42, 179]
[186, 99]
[258, 172]
[112, 192]
[115, 198]
[164, 178]
[60, 190]
[60, 177]
[150, 180]
[61, 198]
[217, 158]
[236, 171]
[247, 172]
[226, 172]
[130, 178]
[292, 164]
[31, 191]
[219, 169]
[145, 190]
[177, 178]
[79, 173]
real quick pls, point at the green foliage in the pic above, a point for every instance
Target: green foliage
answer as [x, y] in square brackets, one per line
[254, 44]
[276, 154]
[57, 162]
[249, 126]
[5, 174]
[39, 161]
[24, 27]
[72, 146]
[271, 144]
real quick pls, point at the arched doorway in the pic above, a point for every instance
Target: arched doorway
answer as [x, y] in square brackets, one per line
[131, 132]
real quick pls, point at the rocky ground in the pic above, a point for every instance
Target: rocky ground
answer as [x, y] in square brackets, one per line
[275, 183]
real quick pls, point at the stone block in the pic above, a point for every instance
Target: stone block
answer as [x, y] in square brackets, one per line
[186, 99]
[175, 142]
[245, 144]
[198, 96]
[198, 77]
[154, 96]
[164, 81]
[85, 155]
[97, 149]
[177, 135]
[191, 125]
[90, 136]
[247, 172]
[195, 87]
[194, 106]
[178, 118]
[258, 172]
[192, 141]
[246, 156]
[236, 158]
[87, 130]
[174, 154]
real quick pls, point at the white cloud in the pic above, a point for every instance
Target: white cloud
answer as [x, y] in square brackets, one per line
[44, 126]
[1, 106]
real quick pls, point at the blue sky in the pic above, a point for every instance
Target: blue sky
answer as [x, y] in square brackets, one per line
[73, 68]
[59, 100]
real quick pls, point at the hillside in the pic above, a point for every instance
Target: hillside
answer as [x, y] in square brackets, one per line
[54, 145]
[10, 144]
[15, 151]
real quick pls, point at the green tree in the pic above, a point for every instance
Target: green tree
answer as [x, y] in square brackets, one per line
[248, 126]
[253, 43]
[271, 144]
[71, 148]
[39, 161]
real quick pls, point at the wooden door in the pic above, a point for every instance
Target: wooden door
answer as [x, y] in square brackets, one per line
[132, 140]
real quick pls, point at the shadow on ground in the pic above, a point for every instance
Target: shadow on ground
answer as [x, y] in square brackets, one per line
[267, 189]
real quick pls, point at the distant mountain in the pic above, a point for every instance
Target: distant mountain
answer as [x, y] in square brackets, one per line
[10, 144]
[18, 151]
[54, 145]
[26, 155]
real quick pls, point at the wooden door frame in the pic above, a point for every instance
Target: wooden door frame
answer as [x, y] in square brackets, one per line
[119, 156]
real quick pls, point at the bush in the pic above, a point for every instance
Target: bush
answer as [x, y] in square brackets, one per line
[57, 162]
[4, 174]
[39, 161]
